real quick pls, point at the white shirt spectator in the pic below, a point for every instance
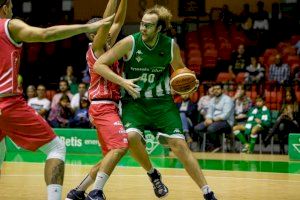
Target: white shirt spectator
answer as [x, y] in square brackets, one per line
[39, 104]
[75, 102]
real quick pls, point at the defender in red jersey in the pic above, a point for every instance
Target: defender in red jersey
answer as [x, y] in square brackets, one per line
[17, 120]
[104, 113]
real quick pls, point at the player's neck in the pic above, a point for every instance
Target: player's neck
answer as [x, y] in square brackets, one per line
[153, 42]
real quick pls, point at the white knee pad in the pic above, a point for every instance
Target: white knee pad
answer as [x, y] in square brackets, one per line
[2, 151]
[55, 149]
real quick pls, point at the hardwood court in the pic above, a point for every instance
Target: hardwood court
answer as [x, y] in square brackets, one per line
[25, 181]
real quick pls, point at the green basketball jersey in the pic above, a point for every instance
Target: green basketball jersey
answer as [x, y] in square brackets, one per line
[151, 64]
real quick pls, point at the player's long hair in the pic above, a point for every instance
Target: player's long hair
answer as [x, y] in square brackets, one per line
[164, 16]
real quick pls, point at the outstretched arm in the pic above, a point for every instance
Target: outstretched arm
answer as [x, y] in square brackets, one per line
[22, 32]
[118, 22]
[108, 58]
[100, 38]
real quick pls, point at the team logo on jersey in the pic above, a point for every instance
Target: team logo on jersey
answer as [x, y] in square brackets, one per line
[138, 59]
[127, 125]
[139, 52]
[177, 131]
[138, 55]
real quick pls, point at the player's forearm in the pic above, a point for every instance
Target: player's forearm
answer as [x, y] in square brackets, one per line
[105, 71]
[110, 8]
[62, 32]
[121, 13]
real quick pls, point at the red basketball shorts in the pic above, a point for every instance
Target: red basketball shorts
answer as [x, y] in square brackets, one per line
[23, 124]
[111, 133]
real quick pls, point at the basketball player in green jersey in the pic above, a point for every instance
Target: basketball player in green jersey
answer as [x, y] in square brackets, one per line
[148, 104]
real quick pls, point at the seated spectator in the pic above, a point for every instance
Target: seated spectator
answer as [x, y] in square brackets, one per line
[239, 61]
[279, 72]
[81, 117]
[204, 102]
[297, 46]
[297, 76]
[288, 120]
[188, 112]
[40, 103]
[82, 92]
[242, 104]
[255, 73]
[30, 92]
[61, 114]
[259, 120]
[64, 90]
[219, 118]
[69, 77]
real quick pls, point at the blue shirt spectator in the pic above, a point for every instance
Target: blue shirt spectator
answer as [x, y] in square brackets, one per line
[221, 108]
[279, 72]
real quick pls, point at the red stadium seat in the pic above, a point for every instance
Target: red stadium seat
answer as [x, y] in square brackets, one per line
[240, 78]
[210, 58]
[225, 51]
[223, 77]
[50, 94]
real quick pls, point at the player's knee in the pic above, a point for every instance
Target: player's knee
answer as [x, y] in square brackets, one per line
[134, 138]
[178, 145]
[55, 149]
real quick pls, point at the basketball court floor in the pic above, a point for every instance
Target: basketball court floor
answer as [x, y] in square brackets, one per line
[232, 177]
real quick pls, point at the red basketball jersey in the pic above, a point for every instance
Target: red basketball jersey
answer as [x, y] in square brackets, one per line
[101, 88]
[10, 53]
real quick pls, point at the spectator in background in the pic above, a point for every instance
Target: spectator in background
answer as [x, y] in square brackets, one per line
[64, 90]
[81, 116]
[246, 18]
[276, 24]
[188, 113]
[40, 103]
[30, 92]
[261, 27]
[86, 78]
[239, 61]
[69, 77]
[219, 118]
[61, 114]
[296, 77]
[279, 72]
[226, 15]
[82, 92]
[287, 122]
[259, 120]
[261, 18]
[203, 103]
[242, 104]
[255, 73]
[20, 81]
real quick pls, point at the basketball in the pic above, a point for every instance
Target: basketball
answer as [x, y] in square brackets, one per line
[183, 81]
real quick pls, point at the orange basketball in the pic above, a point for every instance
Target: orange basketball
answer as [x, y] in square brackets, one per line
[183, 81]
